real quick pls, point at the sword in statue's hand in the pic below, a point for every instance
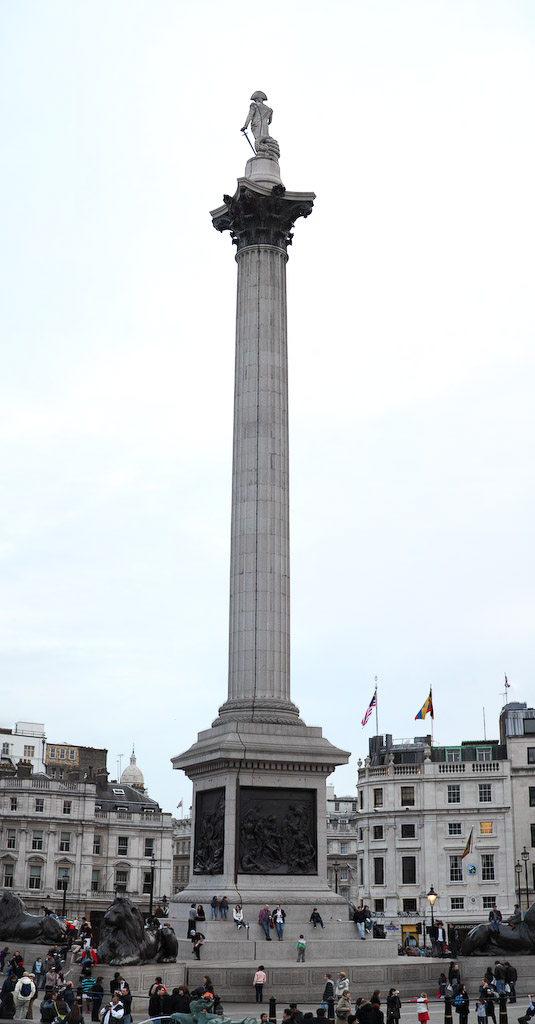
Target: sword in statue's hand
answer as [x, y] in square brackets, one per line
[244, 130]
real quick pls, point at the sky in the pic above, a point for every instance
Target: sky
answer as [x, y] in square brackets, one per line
[411, 349]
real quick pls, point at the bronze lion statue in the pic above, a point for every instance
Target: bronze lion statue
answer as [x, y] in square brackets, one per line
[124, 940]
[17, 925]
[484, 940]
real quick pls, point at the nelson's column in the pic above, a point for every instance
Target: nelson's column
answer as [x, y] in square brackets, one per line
[258, 828]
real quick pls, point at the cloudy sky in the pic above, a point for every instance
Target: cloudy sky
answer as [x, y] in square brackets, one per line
[412, 368]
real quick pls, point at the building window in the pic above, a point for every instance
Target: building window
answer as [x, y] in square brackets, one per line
[454, 794]
[489, 902]
[13, 803]
[122, 846]
[121, 881]
[34, 881]
[410, 906]
[532, 828]
[8, 875]
[485, 792]
[337, 805]
[485, 828]
[52, 752]
[67, 806]
[361, 831]
[457, 903]
[456, 868]
[343, 874]
[39, 806]
[361, 800]
[344, 848]
[149, 847]
[378, 798]
[5, 749]
[52, 773]
[147, 876]
[361, 871]
[65, 842]
[62, 753]
[379, 906]
[453, 755]
[408, 870]
[378, 832]
[484, 754]
[72, 755]
[487, 867]
[408, 831]
[63, 878]
[11, 839]
[29, 752]
[407, 796]
[532, 796]
[97, 844]
[37, 840]
[378, 871]
[95, 880]
[455, 828]
[531, 755]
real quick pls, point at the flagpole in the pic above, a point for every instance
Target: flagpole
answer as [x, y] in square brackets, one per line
[432, 716]
[376, 711]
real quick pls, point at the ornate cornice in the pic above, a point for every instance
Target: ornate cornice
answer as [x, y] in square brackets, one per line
[264, 217]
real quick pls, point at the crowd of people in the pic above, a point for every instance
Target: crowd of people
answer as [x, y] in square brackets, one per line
[272, 923]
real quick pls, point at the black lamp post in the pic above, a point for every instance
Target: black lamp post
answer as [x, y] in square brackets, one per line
[432, 896]
[525, 858]
[64, 884]
[336, 865]
[518, 869]
[152, 866]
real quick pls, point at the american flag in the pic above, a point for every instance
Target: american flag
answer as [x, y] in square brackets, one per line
[370, 707]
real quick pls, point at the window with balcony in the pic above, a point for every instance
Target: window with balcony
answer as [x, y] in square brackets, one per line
[457, 903]
[29, 751]
[487, 867]
[37, 840]
[122, 846]
[456, 868]
[11, 839]
[34, 880]
[9, 871]
[95, 880]
[65, 842]
[485, 828]
[408, 830]
[485, 792]
[407, 796]
[378, 871]
[453, 755]
[67, 806]
[484, 754]
[39, 806]
[378, 797]
[121, 881]
[149, 847]
[455, 828]
[454, 794]
[408, 870]
[378, 832]
[97, 844]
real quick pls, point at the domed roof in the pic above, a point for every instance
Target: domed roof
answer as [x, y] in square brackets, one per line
[132, 775]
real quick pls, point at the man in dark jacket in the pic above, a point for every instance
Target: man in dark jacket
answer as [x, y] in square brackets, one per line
[328, 992]
[511, 977]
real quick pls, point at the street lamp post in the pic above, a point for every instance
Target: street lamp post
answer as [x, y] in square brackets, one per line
[336, 865]
[64, 882]
[152, 866]
[518, 869]
[525, 858]
[432, 896]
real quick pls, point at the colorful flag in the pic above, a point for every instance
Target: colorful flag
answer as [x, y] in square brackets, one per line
[468, 846]
[370, 707]
[179, 805]
[427, 707]
[507, 683]
[349, 872]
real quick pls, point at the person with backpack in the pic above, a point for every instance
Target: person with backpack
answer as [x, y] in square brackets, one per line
[511, 978]
[24, 992]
